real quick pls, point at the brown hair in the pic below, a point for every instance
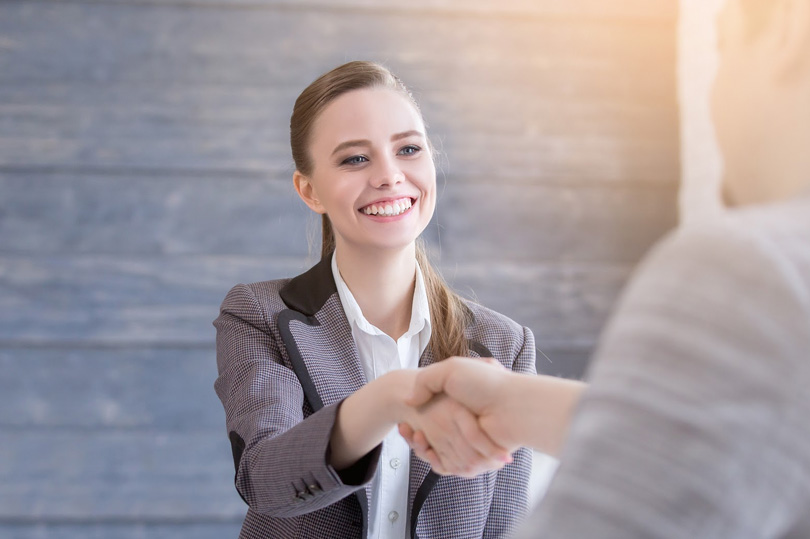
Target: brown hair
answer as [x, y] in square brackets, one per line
[448, 313]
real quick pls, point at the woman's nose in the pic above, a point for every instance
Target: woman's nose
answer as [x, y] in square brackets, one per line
[387, 174]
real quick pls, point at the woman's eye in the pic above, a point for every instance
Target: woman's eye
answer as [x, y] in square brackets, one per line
[354, 160]
[410, 150]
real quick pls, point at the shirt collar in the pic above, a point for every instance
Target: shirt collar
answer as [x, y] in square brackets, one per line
[420, 311]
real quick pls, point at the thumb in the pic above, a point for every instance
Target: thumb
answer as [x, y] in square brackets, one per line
[429, 382]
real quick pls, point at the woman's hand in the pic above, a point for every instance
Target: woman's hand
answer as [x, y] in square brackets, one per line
[453, 440]
[512, 409]
[449, 437]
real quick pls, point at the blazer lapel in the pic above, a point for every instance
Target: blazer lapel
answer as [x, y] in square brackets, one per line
[318, 337]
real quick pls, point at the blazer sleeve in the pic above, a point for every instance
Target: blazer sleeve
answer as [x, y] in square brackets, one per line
[281, 458]
[510, 501]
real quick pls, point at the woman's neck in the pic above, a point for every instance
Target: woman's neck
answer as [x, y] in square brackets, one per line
[382, 283]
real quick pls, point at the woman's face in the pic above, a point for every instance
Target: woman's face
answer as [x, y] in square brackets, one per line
[372, 172]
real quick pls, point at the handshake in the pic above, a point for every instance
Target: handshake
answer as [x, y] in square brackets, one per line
[466, 416]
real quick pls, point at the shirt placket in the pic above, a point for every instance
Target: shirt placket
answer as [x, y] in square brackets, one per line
[391, 518]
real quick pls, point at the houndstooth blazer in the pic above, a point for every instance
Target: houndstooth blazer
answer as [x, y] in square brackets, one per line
[286, 359]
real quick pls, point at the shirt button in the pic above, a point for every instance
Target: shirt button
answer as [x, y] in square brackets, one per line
[393, 516]
[395, 462]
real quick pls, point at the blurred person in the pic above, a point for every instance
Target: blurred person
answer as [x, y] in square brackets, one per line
[314, 371]
[695, 424]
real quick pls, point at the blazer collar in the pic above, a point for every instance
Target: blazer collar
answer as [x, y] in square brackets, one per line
[308, 292]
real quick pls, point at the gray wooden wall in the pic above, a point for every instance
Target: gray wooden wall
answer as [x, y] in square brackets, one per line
[145, 169]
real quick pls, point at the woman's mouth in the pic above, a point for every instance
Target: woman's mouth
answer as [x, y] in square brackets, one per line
[389, 208]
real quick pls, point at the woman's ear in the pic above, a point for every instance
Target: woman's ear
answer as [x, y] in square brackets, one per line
[789, 38]
[305, 190]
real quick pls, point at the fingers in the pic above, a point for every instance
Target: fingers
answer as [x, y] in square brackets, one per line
[447, 398]
[480, 442]
[421, 448]
[406, 432]
[449, 437]
[475, 452]
[471, 381]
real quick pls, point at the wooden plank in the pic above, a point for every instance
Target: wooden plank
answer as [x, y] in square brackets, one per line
[564, 305]
[621, 9]
[571, 99]
[124, 530]
[168, 301]
[509, 131]
[108, 474]
[555, 224]
[107, 43]
[116, 299]
[128, 388]
[130, 213]
[565, 363]
[143, 388]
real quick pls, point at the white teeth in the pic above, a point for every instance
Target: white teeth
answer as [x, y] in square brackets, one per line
[389, 210]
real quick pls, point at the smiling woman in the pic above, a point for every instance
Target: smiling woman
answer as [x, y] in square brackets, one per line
[450, 315]
[315, 371]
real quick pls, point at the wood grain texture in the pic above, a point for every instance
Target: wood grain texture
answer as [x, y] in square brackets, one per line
[519, 134]
[145, 169]
[173, 214]
[136, 43]
[163, 301]
[120, 529]
[88, 388]
[132, 388]
[564, 306]
[505, 98]
[152, 214]
[84, 474]
[641, 10]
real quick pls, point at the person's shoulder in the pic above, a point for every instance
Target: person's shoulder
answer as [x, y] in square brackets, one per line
[754, 244]
[773, 225]
[502, 337]
[485, 319]
[737, 270]
[262, 296]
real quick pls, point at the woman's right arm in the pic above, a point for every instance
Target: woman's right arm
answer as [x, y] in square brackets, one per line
[370, 413]
[287, 465]
[281, 458]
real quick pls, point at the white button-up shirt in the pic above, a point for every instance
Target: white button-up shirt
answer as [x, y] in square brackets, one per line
[379, 354]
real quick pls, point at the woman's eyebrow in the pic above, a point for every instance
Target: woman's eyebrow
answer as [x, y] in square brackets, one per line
[365, 142]
[406, 134]
[349, 144]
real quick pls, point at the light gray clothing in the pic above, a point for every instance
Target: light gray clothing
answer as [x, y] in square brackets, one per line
[697, 421]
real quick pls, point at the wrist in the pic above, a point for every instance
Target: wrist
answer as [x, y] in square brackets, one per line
[396, 386]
